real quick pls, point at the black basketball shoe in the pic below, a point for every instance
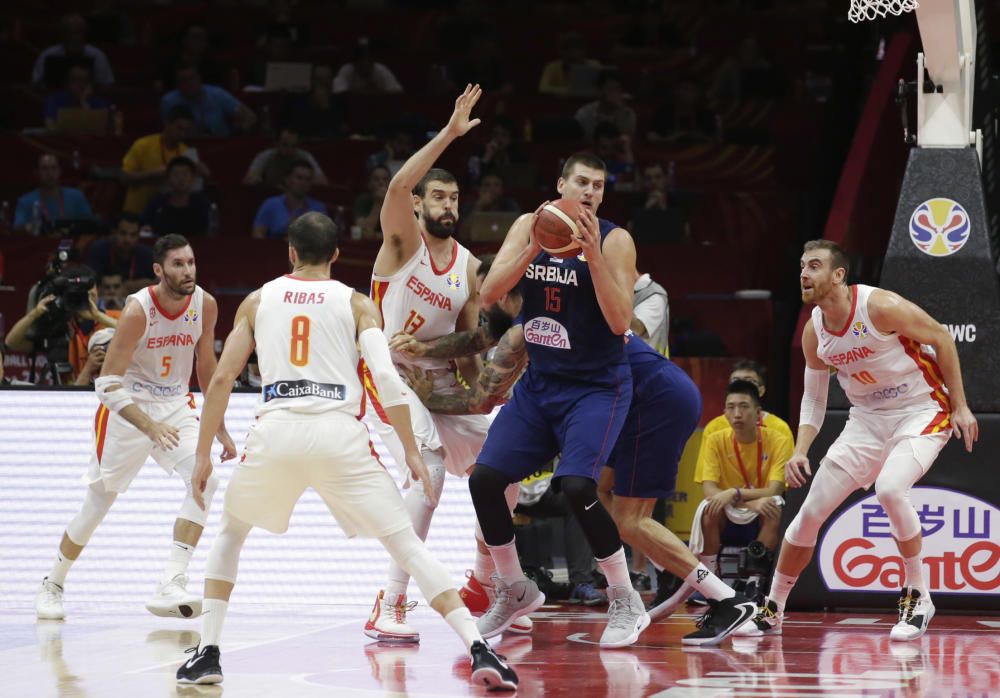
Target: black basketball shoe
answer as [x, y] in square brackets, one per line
[203, 667]
[721, 618]
[489, 669]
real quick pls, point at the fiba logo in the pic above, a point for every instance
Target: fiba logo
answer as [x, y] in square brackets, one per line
[859, 330]
[454, 282]
[191, 316]
[939, 227]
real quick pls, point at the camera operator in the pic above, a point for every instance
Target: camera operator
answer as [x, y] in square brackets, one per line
[61, 323]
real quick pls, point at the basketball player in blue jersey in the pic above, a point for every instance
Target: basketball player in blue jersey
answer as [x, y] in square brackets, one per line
[665, 409]
[572, 400]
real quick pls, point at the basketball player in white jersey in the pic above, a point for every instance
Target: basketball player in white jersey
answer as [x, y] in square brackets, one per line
[424, 284]
[900, 370]
[307, 330]
[147, 410]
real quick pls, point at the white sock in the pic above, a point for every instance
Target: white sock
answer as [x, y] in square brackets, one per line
[781, 587]
[57, 575]
[462, 622]
[484, 567]
[508, 565]
[711, 587]
[180, 558]
[711, 562]
[915, 574]
[213, 613]
[615, 568]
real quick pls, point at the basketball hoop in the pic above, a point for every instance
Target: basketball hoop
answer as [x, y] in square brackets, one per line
[867, 10]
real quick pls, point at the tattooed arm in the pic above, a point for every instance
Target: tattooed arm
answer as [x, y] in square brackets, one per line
[495, 380]
[457, 344]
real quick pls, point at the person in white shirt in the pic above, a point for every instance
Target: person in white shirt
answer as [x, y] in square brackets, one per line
[310, 333]
[899, 368]
[651, 313]
[147, 411]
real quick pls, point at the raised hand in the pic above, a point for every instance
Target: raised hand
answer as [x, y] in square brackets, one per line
[459, 124]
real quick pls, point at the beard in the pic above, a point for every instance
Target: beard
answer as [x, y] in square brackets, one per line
[178, 287]
[441, 229]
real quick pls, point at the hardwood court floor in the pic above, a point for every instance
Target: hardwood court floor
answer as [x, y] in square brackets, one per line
[274, 651]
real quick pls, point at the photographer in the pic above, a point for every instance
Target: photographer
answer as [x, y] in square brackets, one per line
[61, 323]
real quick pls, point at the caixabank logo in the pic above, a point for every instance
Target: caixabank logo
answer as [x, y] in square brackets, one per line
[939, 227]
[961, 545]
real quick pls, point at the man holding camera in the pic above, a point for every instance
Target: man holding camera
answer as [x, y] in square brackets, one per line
[62, 322]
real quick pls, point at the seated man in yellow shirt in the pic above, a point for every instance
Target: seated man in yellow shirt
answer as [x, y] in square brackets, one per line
[742, 468]
[750, 370]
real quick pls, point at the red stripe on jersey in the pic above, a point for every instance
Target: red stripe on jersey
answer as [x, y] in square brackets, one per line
[931, 372]
[372, 392]
[854, 306]
[379, 289]
[101, 429]
[454, 257]
[163, 312]
[361, 380]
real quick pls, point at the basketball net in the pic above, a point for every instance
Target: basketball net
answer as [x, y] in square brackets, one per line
[867, 10]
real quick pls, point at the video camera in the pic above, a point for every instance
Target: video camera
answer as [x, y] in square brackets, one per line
[70, 284]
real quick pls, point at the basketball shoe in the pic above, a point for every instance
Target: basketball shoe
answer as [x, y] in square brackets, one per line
[202, 668]
[915, 613]
[627, 617]
[511, 602]
[489, 668]
[49, 601]
[721, 619]
[478, 598]
[387, 622]
[173, 600]
[767, 622]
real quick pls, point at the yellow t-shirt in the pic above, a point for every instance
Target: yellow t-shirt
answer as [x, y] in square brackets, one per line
[717, 461]
[720, 423]
[147, 153]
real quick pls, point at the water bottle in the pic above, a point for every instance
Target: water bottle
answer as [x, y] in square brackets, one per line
[76, 160]
[36, 218]
[214, 223]
[671, 177]
[475, 168]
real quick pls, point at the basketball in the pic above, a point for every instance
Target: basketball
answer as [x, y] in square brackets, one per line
[555, 227]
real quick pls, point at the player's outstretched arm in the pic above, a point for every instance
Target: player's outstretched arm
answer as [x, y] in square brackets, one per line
[612, 266]
[109, 389]
[890, 313]
[495, 380]
[518, 250]
[400, 227]
[392, 392]
[239, 344]
[206, 364]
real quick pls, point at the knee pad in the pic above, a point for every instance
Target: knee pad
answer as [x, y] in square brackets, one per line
[412, 555]
[903, 520]
[224, 557]
[486, 481]
[190, 511]
[580, 491]
[96, 504]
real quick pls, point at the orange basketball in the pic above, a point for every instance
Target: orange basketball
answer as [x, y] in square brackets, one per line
[555, 226]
